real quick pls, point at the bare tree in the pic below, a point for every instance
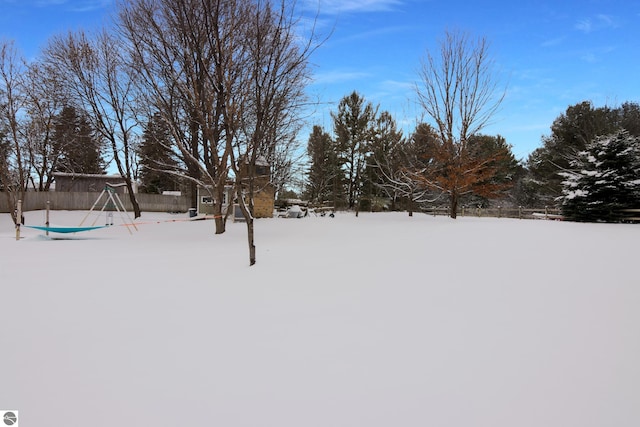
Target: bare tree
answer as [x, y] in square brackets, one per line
[45, 98]
[190, 58]
[458, 91]
[101, 81]
[276, 76]
[14, 168]
[401, 166]
[227, 77]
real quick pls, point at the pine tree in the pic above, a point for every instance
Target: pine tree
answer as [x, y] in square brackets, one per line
[604, 180]
[571, 132]
[157, 158]
[76, 141]
[353, 129]
[385, 160]
[498, 159]
[325, 177]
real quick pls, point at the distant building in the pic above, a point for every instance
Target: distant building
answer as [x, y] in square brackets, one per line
[263, 197]
[264, 192]
[205, 200]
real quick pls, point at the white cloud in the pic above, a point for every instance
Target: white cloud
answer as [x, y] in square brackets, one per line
[338, 76]
[598, 22]
[341, 6]
[553, 42]
[75, 5]
[89, 5]
[584, 25]
[45, 3]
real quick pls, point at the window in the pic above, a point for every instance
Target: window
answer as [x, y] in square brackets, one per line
[208, 200]
[262, 170]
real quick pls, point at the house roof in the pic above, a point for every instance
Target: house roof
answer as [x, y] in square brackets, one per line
[86, 175]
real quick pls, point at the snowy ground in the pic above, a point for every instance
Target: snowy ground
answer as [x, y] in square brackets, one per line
[381, 320]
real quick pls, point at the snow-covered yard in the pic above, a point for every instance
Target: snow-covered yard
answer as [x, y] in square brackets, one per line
[381, 320]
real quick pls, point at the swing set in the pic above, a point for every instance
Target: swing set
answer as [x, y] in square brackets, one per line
[112, 202]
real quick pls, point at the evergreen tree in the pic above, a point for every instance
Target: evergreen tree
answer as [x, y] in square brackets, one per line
[76, 141]
[384, 160]
[629, 114]
[157, 159]
[571, 132]
[498, 157]
[604, 180]
[325, 178]
[353, 127]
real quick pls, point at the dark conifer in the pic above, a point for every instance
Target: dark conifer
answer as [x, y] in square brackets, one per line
[604, 180]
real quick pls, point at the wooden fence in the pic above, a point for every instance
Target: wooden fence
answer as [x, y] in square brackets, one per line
[500, 212]
[84, 201]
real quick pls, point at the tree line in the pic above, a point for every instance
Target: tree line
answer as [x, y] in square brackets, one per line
[197, 90]
[446, 160]
[368, 164]
[188, 93]
[588, 167]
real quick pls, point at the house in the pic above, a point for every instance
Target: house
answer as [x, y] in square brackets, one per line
[87, 183]
[205, 199]
[263, 197]
[264, 192]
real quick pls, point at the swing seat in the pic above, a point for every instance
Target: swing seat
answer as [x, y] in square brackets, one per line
[64, 229]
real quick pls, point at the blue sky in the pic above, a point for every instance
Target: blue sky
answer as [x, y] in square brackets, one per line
[549, 54]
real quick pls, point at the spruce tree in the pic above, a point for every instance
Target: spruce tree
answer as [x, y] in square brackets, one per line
[353, 124]
[604, 180]
[384, 160]
[325, 177]
[571, 132]
[79, 147]
[157, 159]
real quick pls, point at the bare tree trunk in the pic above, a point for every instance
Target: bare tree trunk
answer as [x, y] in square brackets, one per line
[134, 201]
[128, 182]
[219, 219]
[14, 172]
[454, 205]
[247, 212]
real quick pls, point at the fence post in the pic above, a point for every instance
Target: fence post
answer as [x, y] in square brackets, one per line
[499, 211]
[546, 212]
[18, 219]
[47, 216]
[519, 212]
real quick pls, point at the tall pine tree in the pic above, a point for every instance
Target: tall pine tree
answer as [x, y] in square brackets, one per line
[157, 159]
[353, 129]
[79, 147]
[325, 178]
[383, 160]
